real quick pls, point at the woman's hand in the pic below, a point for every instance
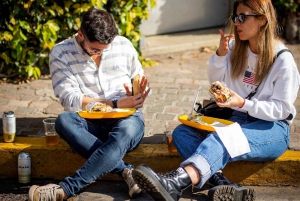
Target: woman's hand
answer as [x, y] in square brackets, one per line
[223, 47]
[235, 101]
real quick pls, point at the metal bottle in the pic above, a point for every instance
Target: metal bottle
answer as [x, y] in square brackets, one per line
[24, 168]
[9, 126]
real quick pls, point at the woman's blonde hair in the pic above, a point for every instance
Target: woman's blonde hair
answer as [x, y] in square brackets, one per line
[266, 39]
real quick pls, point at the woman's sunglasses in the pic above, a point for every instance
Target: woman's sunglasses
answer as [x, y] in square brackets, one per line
[241, 17]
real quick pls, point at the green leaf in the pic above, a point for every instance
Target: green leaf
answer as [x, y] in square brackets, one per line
[68, 5]
[32, 57]
[6, 58]
[25, 25]
[95, 3]
[138, 11]
[29, 71]
[35, 75]
[41, 61]
[77, 5]
[51, 12]
[85, 7]
[38, 30]
[128, 5]
[19, 49]
[53, 25]
[10, 27]
[22, 35]
[152, 3]
[37, 71]
[46, 34]
[123, 18]
[6, 36]
[14, 54]
[70, 22]
[14, 43]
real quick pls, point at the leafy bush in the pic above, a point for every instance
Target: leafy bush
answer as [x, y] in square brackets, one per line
[29, 29]
[284, 6]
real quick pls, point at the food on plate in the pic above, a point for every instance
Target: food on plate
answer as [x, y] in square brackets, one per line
[197, 118]
[135, 81]
[219, 92]
[98, 107]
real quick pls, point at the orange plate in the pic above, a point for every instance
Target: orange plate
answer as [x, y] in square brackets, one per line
[121, 112]
[209, 120]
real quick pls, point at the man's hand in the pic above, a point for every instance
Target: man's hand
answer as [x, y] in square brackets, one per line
[136, 101]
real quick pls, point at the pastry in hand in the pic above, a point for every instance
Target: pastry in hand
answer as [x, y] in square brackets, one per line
[219, 92]
[135, 81]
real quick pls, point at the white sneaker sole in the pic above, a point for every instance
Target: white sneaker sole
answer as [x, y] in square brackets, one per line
[31, 192]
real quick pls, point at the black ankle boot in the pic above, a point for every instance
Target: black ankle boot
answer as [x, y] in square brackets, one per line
[218, 179]
[226, 190]
[161, 187]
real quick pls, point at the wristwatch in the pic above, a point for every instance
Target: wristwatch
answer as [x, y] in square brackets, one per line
[115, 103]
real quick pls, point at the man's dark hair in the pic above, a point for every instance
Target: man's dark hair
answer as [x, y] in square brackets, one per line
[98, 26]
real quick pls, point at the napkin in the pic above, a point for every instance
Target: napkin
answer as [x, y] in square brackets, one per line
[233, 139]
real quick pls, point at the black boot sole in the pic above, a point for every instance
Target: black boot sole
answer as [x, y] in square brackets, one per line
[147, 181]
[231, 193]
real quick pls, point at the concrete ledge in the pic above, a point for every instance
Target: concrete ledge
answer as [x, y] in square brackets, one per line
[59, 161]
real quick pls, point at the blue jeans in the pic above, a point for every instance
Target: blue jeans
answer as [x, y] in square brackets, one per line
[267, 139]
[103, 142]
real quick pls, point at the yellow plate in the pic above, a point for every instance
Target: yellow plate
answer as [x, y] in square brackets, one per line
[119, 113]
[208, 120]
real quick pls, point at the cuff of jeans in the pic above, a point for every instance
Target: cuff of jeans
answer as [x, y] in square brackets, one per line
[202, 165]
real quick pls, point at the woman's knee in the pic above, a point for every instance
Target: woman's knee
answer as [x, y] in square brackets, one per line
[179, 132]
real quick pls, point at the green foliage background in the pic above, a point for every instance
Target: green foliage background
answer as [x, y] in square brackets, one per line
[285, 6]
[30, 28]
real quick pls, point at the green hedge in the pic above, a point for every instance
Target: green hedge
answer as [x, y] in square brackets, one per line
[29, 29]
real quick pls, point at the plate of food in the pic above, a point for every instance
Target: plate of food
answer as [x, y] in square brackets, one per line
[203, 122]
[97, 110]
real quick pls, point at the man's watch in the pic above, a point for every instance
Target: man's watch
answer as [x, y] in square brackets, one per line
[115, 103]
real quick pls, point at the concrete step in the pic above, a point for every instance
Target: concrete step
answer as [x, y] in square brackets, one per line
[57, 162]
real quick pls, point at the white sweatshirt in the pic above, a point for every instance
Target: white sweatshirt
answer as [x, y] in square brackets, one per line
[277, 92]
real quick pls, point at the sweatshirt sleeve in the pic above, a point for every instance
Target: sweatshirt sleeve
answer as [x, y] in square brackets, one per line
[217, 67]
[285, 82]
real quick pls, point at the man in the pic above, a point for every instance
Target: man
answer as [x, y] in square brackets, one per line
[96, 65]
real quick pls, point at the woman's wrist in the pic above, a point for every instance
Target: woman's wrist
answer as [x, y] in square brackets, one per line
[243, 103]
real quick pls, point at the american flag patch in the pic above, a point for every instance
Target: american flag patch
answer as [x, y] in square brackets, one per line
[249, 78]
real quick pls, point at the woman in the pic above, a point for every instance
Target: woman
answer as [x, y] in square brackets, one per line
[243, 64]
